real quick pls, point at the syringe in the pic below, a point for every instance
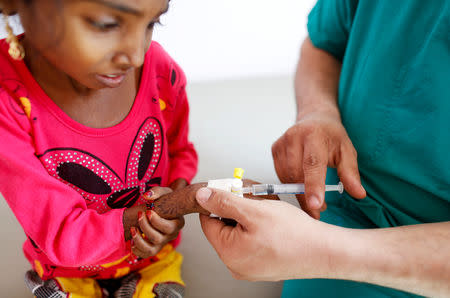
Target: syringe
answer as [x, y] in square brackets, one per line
[278, 189]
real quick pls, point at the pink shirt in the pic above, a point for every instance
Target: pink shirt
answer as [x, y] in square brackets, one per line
[68, 184]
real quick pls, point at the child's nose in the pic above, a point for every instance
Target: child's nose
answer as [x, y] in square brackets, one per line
[132, 52]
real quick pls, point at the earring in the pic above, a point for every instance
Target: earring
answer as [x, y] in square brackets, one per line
[16, 50]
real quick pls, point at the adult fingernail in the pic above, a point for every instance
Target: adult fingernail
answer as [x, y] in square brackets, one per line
[314, 202]
[203, 195]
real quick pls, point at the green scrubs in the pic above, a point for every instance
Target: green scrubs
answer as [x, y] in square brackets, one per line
[394, 98]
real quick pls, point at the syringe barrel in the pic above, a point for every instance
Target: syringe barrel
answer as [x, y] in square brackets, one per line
[289, 188]
[261, 189]
[277, 189]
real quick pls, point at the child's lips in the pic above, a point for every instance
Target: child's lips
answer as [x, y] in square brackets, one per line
[111, 80]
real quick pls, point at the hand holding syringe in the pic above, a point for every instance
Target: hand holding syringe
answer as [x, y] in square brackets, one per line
[278, 189]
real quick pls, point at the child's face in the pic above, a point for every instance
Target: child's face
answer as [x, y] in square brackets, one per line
[95, 42]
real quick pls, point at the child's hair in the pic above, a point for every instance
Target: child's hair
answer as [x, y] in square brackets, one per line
[14, 12]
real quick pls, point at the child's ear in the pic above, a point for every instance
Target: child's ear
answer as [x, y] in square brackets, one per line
[8, 7]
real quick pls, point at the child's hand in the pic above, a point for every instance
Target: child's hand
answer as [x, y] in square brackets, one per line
[179, 184]
[153, 231]
[172, 205]
[156, 232]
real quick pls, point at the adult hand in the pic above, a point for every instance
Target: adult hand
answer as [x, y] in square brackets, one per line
[276, 241]
[273, 240]
[304, 151]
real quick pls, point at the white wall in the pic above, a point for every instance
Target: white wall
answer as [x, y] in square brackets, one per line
[234, 38]
[223, 39]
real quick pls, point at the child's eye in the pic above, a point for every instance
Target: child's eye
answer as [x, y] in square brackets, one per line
[103, 26]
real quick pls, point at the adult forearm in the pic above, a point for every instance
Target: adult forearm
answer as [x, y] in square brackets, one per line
[410, 258]
[316, 81]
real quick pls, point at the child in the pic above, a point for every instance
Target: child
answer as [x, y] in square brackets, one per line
[92, 120]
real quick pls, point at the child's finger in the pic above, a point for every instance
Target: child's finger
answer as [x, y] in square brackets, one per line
[136, 251]
[141, 243]
[152, 235]
[165, 226]
[156, 192]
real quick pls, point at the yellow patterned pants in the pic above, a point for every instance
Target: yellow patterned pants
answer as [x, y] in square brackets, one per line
[161, 279]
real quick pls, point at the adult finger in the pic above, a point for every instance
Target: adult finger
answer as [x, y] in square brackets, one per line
[216, 231]
[347, 169]
[314, 213]
[287, 155]
[324, 207]
[227, 205]
[315, 161]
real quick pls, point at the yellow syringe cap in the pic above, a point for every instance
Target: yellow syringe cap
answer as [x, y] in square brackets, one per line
[238, 173]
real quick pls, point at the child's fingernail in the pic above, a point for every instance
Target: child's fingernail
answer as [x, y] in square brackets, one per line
[149, 214]
[203, 194]
[132, 243]
[139, 215]
[314, 202]
[148, 195]
[133, 231]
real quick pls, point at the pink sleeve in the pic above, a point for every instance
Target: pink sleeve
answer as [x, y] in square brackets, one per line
[51, 213]
[182, 155]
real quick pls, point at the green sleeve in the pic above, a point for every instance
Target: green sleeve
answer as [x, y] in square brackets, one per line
[330, 23]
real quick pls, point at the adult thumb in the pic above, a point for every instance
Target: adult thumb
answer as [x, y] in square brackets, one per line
[225, 204]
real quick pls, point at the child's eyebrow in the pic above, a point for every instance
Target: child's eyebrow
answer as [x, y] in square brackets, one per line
[124, 8]
[119, 7]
